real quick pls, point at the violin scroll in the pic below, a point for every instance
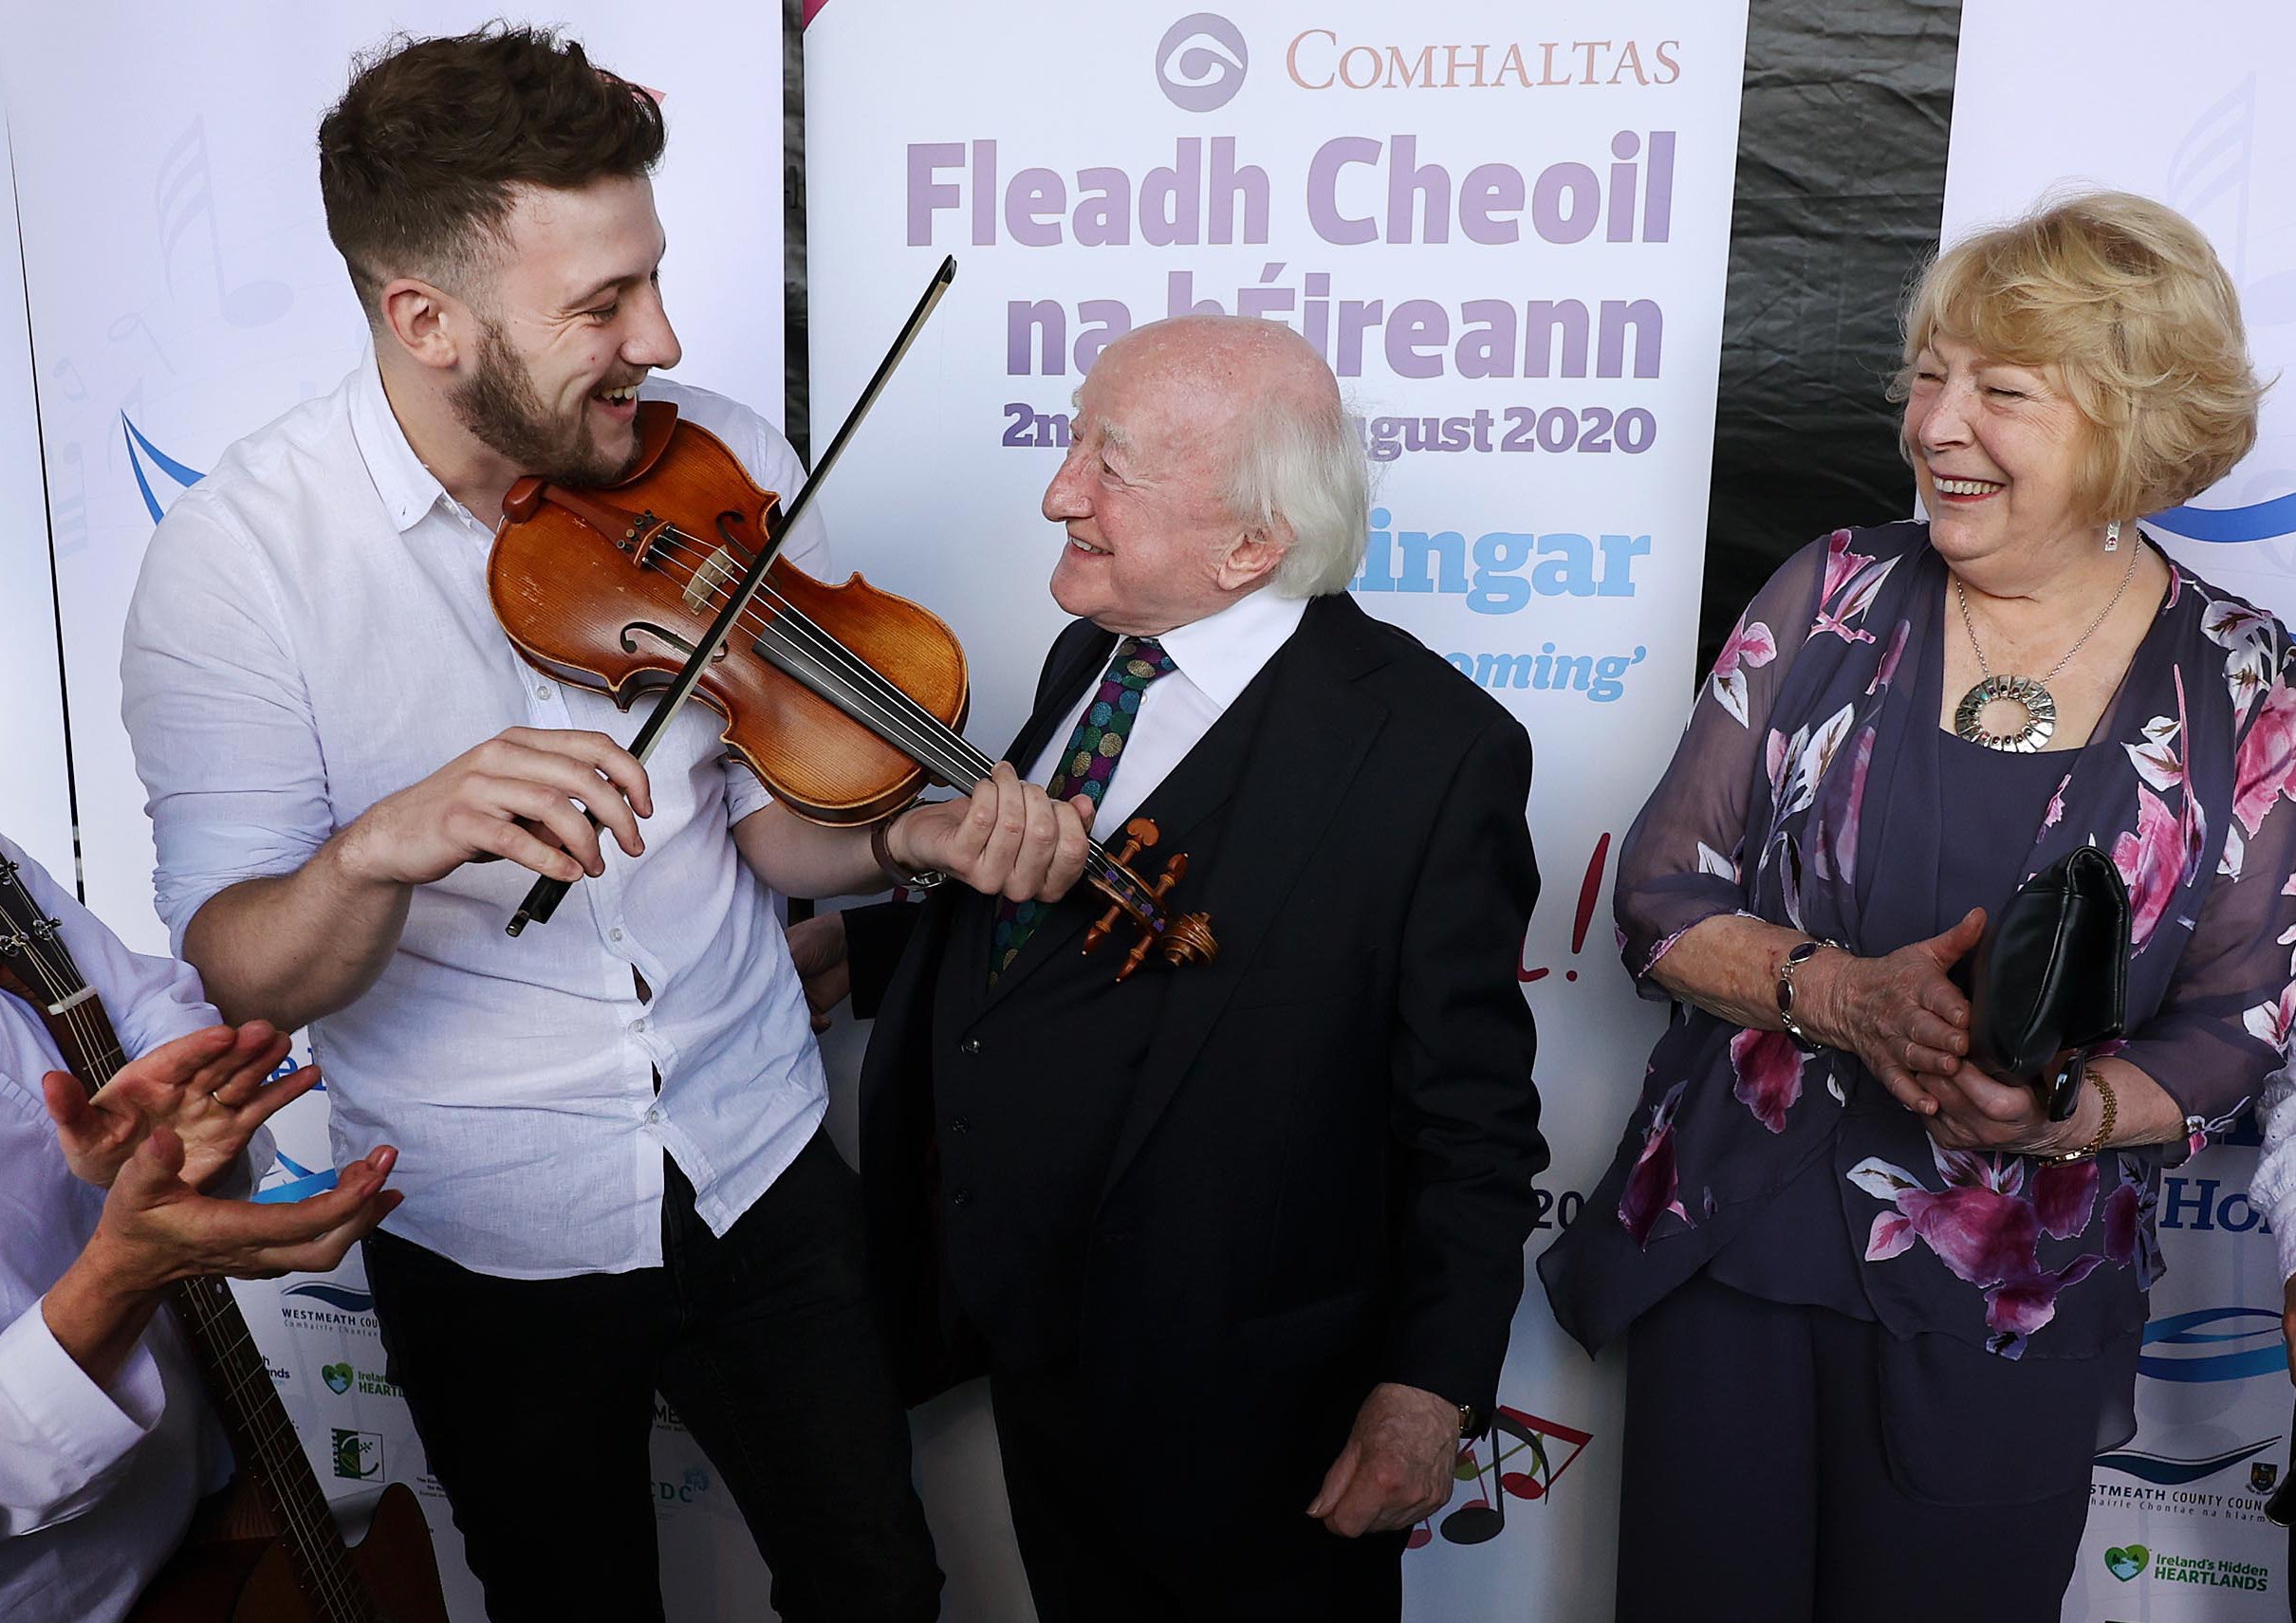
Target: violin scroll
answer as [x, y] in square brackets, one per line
[1184, 940]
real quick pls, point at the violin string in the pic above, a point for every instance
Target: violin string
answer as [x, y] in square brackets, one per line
[899, 712]
[896, 706]
[919, 732]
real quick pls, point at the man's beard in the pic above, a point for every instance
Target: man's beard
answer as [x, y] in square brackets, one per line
[499, 406]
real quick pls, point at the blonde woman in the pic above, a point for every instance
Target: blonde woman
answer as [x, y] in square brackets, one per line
[1881, 1311]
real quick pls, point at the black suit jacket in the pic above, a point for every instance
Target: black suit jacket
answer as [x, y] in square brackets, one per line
[1323, 1173]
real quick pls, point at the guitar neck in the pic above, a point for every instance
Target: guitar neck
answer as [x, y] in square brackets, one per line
[36, 965]
[239, 1383]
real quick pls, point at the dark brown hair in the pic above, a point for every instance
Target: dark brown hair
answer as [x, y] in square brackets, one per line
[422, 156]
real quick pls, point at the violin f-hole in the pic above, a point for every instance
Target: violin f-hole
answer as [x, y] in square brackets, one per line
[662, 633]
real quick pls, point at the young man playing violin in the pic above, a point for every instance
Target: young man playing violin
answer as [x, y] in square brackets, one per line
[106, 1439]
[1238, 1244]
[620, 1180]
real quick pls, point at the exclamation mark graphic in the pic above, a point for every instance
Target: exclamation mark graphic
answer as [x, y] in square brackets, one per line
[1590, 889]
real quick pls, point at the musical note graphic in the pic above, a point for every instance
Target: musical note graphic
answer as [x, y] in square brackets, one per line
[68, 500]
[1514, 1434]
[129, 326]
[2215, 158]
[68, 380]
[184, 195]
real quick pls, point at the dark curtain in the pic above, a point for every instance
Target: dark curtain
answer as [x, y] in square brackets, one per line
[1840, 184]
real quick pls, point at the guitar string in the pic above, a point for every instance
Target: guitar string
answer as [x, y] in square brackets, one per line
[326, 1555]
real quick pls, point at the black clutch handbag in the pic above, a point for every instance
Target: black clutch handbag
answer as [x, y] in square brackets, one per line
[2051, 976]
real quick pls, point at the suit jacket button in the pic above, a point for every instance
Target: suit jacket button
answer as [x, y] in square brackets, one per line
[960, 1197]
[960, 1125]
[970, 1046]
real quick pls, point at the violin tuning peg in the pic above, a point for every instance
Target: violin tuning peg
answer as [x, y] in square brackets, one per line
[1144, 831]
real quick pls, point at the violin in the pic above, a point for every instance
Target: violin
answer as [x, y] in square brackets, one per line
[845, 701]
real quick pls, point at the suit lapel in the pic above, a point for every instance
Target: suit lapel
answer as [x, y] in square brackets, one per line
[1080, 655]
[1317, 734]
[1077, 657]
[1190, 792]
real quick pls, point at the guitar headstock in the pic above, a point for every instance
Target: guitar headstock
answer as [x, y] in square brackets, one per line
[25, 929]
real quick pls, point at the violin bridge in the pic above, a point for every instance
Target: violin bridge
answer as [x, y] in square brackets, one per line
[719, 572]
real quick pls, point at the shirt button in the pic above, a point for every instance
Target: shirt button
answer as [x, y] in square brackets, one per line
[613, 935]
[970, 1046]
[960, 1197]
[638, 1024]
[542, 689]
[960, 1125]
[654, 1117]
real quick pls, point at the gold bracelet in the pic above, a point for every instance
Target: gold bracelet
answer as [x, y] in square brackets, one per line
[2105, 1125]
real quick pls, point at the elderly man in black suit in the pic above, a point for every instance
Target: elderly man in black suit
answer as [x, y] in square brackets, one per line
[1237, 1243]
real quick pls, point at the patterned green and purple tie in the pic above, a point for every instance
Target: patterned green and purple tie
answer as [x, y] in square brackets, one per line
[1085, 767]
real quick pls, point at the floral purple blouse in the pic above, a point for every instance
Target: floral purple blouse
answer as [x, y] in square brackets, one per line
[1806, 792]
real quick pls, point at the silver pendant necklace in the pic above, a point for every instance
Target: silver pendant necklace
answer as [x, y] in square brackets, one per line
[2030, 694]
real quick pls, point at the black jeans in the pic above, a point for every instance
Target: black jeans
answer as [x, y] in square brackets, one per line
[535, 1402]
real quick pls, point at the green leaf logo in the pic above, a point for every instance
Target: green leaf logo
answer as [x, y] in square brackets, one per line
[338, 1377]
[2126, 1563]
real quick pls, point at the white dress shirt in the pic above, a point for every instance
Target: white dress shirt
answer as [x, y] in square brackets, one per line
[1214, 660]
[2274, 1188]
[311, 633]
[97, 1484]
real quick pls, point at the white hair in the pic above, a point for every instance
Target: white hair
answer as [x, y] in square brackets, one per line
[1300, 474]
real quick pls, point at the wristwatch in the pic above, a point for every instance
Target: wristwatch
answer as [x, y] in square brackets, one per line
[1794, 960]
[1472, 1421]
[915, 880]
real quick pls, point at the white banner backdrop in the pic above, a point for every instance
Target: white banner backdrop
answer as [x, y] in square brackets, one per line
[1507, 228]
[182, 293]
[35, 796]
[2195, 105]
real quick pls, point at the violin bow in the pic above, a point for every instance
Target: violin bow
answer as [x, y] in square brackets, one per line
[546, 893]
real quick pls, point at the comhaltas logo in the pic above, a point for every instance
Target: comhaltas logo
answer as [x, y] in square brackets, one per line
[1200, 63]
[358, 1455]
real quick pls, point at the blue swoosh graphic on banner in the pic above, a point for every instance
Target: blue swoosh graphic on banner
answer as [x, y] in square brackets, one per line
[307, 1183]
[184, 476]
[2163, 1470]
[2260, 521]
[2186, 1329]
[344, 1299]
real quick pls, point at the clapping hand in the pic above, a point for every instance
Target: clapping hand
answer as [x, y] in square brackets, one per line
[157, 1229]
[208, 1089]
